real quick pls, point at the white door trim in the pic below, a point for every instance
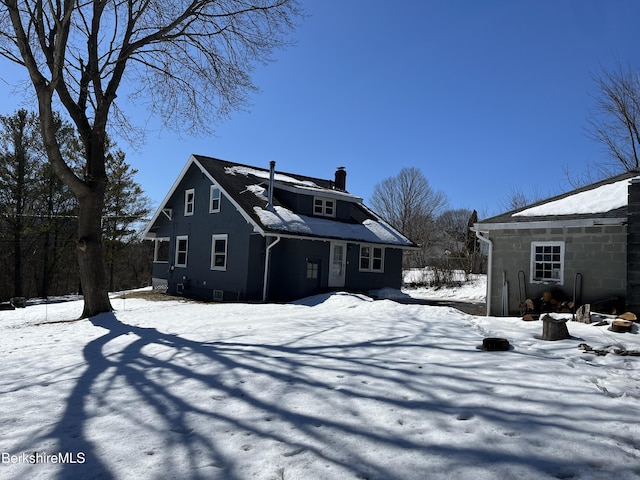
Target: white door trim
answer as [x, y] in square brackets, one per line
[337, 264]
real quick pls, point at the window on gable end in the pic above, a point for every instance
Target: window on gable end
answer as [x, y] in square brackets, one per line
[219, 252]
[189, 201]
[214, 199]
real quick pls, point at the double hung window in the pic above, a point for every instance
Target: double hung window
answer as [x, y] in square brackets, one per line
[189, 201]
[214, 200]
[219, 252]
[182, 250]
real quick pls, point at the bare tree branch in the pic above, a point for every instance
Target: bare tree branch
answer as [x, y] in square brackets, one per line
[616, 119]
[411, 205]
[192, 60]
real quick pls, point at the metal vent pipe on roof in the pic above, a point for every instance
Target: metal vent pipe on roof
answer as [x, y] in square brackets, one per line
[272, 171]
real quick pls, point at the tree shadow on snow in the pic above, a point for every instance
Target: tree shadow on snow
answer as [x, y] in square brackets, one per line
[177, 386]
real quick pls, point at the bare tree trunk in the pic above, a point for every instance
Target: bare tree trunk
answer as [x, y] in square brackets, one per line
[200, 55]
[93, 277]
[90, 192]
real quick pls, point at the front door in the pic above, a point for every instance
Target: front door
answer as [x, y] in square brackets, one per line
[337, 264]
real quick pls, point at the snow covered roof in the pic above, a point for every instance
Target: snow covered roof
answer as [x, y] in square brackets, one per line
[605, 200]
[370, 230]
[264, 174]
[247, 188]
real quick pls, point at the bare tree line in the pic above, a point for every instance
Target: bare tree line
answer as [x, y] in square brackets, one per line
[409, 203]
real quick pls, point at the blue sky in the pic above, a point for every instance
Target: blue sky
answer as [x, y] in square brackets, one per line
[484, 96]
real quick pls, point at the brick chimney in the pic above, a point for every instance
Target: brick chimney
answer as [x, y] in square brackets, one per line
[633, 247]
[341, 179]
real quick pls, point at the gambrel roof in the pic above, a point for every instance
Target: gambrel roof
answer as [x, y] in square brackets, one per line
[247, 188]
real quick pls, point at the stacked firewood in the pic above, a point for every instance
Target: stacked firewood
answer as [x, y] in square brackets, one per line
[548, 303]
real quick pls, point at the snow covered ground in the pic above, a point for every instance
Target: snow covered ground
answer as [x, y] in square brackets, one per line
[333, 387]
[472, 288]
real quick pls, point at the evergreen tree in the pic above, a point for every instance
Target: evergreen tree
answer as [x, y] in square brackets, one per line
[125, 208]
[472, 240]
[20, 160]
[56, 271]
[39, 214]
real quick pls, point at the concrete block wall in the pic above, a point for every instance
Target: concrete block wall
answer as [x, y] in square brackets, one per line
[598, 253]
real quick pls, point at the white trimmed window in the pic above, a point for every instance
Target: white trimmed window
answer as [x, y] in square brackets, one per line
[547, 262]
[325, 207]
[219, 252]
[189, 201]
[371, 258]
[182, 249]
[161, 250]
[214, 199]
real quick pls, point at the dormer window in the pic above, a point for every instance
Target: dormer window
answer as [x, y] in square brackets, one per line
[325, 207]
[189, 201]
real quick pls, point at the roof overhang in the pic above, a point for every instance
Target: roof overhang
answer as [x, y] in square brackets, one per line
[567, 223]
[293, 236]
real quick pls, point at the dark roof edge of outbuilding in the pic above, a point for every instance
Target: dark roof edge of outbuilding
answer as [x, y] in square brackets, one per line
[509, 217]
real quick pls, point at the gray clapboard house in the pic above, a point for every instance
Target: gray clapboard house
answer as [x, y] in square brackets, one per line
[233, 232]
[584, 244]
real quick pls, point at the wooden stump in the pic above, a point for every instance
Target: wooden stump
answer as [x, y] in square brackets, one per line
[583, 314]
[621, 326]
[554, 328]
